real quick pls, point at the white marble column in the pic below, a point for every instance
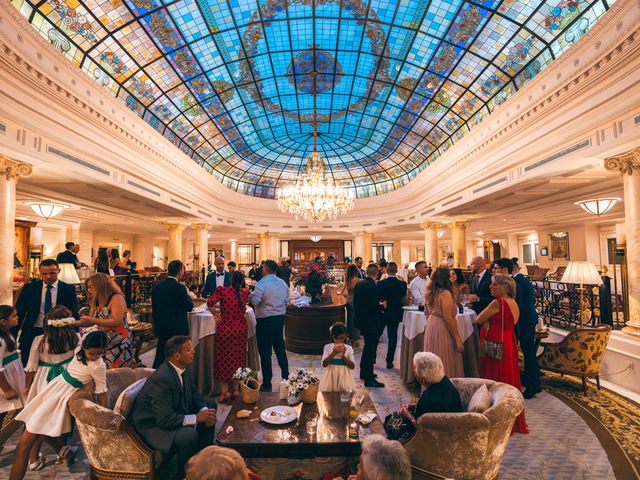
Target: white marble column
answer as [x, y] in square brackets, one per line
[358, 245]
[202, 244]
[431, 250]
[174, 246]
[459, 243]
[396, 253]
[10, 171]
[628, 164]
[368, 247]
[233, 254]
[264, 246]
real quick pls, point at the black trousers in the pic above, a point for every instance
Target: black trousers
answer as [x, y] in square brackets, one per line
[392, 322]
[270, 336]
[187, 442]
[368, 360]
[527, 338]
[160, 355]
[25, 343]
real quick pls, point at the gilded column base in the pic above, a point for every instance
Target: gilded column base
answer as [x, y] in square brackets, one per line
[632, 329]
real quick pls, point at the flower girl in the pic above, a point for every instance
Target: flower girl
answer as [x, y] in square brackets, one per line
[11, 371]
[48, 414]
[338, 361]
[50, 354]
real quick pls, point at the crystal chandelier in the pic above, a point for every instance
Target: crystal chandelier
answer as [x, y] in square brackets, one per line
[314, 197]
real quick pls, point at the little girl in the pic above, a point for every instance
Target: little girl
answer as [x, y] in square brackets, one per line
[48, 414]
[11, 371]
[50, 354]
[338, 361]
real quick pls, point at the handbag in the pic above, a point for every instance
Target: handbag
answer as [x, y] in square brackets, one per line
[398, 428]
[493, 349]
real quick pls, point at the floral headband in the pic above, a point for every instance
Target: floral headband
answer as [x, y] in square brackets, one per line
[61, 322]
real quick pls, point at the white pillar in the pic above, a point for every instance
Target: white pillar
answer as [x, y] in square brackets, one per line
[202, 244]
[358, 245]
[431, 251]
[628, 164]
[459, 243]
[174, 246]
[142, 251]
[10, 171]
[233, 255]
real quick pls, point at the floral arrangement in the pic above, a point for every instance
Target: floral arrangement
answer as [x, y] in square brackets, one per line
[61, 322]
[244, 373]
[299, 380]
[313, 273]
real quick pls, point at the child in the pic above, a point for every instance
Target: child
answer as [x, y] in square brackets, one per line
[50, 354]
[11, 371]
[338, 361]
[48, 414]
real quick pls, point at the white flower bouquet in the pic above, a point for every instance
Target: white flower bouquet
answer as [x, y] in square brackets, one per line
[299, 381]
[244, 373]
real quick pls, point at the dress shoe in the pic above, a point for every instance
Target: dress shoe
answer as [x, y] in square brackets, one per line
[373, 384]
[375, 375]
[531, 392]
[265, 388]
[389, 365]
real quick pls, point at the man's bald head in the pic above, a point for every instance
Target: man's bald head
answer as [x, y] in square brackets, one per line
[477, 265]
[219, 263]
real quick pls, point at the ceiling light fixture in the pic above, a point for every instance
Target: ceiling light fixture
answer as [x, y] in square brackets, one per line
[47, 209]
[315, 238]
[559, 234]
[440, 234]
[597, 206]
[314, 197]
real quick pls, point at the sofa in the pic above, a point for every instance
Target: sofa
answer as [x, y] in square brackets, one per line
[113, 448]
[466, 446]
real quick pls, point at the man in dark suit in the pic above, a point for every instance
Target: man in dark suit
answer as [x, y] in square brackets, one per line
[170, 303]
[393, 291]
[480, 296]
[68, 256]
[217, 278]
[36, 299]
[366, 300]
[169, 413]
[526, 326]
[358, 262]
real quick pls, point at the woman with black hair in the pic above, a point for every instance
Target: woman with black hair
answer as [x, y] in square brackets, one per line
[231, 333]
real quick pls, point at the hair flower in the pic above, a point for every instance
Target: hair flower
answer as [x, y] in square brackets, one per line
[61, 322]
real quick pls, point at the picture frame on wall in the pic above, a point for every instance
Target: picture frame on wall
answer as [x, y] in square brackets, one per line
[544, 251]
[559, 247]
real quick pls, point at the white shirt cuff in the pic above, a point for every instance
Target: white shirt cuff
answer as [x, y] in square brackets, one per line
[189, 420]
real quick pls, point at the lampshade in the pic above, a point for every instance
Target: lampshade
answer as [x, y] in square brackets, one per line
[315, 238]
[584, 273]
[68, 274]
[47, 209]
[412, 265]
[559, 234]
[597, 206]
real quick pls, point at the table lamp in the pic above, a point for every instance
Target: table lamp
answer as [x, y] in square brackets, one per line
[68, 274]
[581, 273]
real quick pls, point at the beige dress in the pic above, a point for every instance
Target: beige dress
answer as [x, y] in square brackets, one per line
[42, 363]
[438, 340]
[11, 366]
[337, 376]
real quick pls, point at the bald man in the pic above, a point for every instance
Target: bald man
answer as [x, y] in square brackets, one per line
[218, 278]
[480, 293]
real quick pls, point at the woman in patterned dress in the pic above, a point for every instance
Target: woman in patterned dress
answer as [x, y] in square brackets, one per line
[231, 333]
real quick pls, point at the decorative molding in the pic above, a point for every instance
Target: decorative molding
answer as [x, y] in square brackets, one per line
[627, 162]
[13, 170]
[430, 225]
[174, 227]
[453, 226]
[198, 227]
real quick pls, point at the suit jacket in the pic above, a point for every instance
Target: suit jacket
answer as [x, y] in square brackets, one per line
[525, 298]
[483, 292]
[28, 307]
[393, 290]
[366, 298]
[210, 283]
[161, 406]
[170, 303]
[68, 257]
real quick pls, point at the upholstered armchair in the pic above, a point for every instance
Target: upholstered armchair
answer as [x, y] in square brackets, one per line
[113, 448]
[579, 353]
[466, 446]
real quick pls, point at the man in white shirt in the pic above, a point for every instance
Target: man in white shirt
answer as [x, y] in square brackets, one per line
[418, 286]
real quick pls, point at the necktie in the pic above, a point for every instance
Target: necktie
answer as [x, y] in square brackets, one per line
[476, 281]
[47, 299]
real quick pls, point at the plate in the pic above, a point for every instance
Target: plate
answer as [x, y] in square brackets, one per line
[278, 415]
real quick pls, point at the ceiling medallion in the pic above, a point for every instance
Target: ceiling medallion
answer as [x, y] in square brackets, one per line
[314, 70]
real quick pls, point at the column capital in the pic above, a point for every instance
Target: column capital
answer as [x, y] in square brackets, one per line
[458, 225]
[174, 227]
[198, 227]
[627, 162]
[430, 225]
[12, 170]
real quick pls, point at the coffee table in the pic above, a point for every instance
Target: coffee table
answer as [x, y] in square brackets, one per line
[253, 438]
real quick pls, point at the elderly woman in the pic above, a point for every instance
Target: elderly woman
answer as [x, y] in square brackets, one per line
[218, 463]
[440, 395]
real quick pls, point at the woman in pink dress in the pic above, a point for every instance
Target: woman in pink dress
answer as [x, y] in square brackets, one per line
[441, 335]
[498, 321]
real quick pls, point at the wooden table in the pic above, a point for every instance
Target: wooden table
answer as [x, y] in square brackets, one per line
[307, 328]
[253, 438]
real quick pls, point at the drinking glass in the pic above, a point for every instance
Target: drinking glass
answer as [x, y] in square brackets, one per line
[345, 396]
[312, 423]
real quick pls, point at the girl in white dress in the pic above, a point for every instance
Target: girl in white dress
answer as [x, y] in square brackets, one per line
[50, 354]
[48, 414]
[11, 371]
[338, 361]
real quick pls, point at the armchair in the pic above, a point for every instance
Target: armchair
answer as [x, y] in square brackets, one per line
[579, 353]
[466, 446]
[113, 448]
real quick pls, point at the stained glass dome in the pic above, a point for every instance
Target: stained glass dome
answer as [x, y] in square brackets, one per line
[232, 83]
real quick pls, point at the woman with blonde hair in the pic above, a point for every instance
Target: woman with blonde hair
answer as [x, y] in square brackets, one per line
[109, 314]
[441, 335]
[218, 463]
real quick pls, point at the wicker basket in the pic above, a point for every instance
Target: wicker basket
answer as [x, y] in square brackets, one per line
[250, 390]
[310, 394]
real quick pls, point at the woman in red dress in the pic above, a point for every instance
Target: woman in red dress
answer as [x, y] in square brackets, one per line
[498, 321]
[231, 333]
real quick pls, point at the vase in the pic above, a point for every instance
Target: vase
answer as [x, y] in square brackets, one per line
[293, 399]
[314, 290]
[310, 394]
[250, 389]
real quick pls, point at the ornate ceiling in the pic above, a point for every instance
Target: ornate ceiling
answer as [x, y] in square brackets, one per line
[232, 84]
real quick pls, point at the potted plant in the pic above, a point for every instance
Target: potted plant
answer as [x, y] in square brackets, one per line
[249, 384]
[302, 385]
[312, 277]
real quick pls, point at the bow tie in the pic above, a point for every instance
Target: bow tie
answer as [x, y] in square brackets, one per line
[220, 274]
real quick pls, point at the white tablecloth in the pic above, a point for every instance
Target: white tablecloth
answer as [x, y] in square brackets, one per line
[201, 324]
[415, 321]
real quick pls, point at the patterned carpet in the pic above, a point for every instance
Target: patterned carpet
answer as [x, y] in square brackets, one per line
[572, 437]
